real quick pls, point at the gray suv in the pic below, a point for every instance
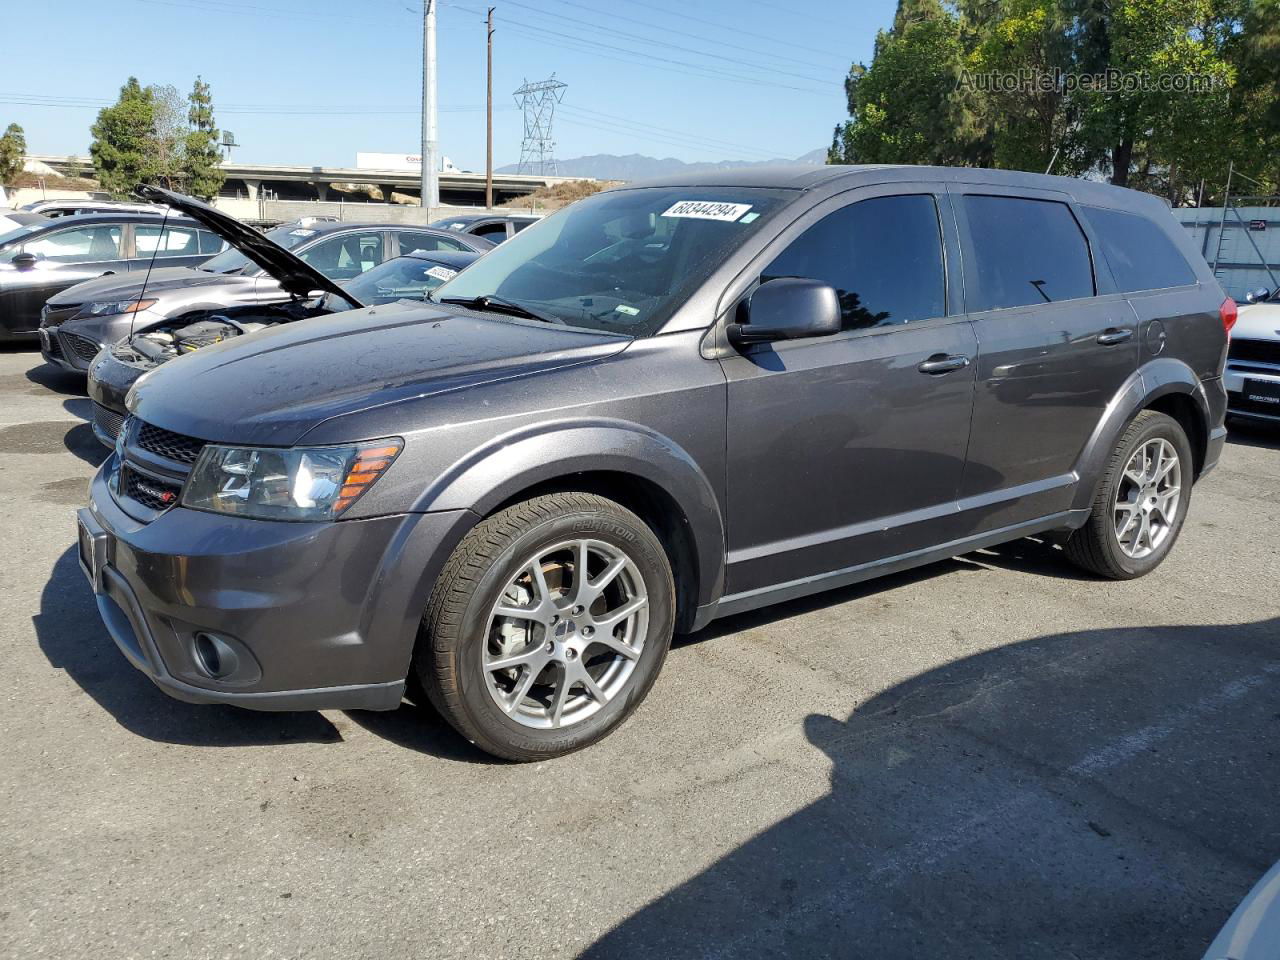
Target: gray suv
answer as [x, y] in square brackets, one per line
[664, 404]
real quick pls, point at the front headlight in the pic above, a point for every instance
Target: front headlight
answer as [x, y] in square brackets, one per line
[108, 308]
[297, 483]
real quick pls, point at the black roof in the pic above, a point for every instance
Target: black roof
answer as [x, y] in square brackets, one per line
[81, 219]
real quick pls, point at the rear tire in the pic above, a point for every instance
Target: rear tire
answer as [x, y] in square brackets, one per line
[574, 594]
[1137, 512]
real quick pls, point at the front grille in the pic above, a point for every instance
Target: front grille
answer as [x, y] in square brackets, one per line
[1259, 351]
[108, 421]
[152, 493]
[84, 348]
[167, 444]
[56, 316]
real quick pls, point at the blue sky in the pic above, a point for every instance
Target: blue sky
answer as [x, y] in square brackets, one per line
[313, 81]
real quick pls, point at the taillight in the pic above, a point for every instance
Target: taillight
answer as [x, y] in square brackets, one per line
[1228, 312]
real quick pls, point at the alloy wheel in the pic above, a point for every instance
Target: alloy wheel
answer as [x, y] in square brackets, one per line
[1147, 498]
[566, 633]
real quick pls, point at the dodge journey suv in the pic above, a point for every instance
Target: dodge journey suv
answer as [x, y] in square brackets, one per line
[666, 403]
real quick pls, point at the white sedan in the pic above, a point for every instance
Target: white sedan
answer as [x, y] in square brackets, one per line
[1253, 362]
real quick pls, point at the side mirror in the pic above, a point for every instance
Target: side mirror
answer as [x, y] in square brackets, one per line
[788, 308]
[1257, 296]
[24, 261]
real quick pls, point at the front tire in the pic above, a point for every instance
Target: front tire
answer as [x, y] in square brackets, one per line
[1141, 502]
[548, 626]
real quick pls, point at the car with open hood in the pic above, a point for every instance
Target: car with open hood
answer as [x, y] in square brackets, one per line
[255, 273]
[665, 403]
[118, 366]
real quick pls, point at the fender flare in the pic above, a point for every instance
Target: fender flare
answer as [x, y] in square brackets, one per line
[540, 453]
[1153, 380]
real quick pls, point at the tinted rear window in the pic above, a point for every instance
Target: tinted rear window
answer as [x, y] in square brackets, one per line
[1024, 252]
[1140, 254]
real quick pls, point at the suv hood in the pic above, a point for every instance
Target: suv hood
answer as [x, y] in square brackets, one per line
[275, 386]
[128, 286]
[294, 276]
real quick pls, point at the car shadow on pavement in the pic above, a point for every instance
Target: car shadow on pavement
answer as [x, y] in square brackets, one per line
[1105, 794]
[1250, 433]
[58, 380]
[72, 637]
[419, 727]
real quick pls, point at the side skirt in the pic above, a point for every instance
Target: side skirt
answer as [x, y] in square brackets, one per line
[791, 590]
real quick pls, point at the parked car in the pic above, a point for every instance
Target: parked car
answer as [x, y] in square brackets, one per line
[410, 279]
[1253, 360]
[11, 220]
[487, 225]
[1252, 932]
[670, 402]
[44, 258]
[103, 311]
[70, 206]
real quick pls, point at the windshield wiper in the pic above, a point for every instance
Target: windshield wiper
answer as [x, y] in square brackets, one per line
[500, 305]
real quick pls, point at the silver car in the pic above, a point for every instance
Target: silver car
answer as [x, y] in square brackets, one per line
[1252, 376]
[102, 311]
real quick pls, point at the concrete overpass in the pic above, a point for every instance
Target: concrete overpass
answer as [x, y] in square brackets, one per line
[295, 182]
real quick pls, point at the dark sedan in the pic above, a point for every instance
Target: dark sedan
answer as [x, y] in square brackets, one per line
[42, 259]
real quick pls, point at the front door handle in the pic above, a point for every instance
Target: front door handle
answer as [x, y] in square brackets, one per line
[108, 273]
[1111, 336]
[941, 363]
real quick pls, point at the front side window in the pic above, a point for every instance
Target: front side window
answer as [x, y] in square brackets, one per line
[497, 232]
[174, 242]
[211, 242]
[1139, 253]
[346, 256]
[77, 245]
[883, 256]
[429, 242]
[622, 260]
[1024, 252]
[232, 260]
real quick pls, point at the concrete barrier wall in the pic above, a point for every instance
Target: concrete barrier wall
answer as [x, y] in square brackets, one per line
[1241, 267]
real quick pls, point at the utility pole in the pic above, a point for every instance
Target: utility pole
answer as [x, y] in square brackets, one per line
[430, 179]
[488, 118]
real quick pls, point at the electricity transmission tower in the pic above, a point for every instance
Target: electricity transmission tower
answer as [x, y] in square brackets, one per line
[538, 101]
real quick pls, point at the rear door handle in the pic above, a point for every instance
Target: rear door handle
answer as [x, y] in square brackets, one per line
[940, 363]
[1111, 336]
[108, 273]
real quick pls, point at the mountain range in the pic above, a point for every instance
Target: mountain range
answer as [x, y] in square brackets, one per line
[635, 166]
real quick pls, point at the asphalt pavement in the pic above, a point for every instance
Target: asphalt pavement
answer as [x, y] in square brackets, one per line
[995, 756]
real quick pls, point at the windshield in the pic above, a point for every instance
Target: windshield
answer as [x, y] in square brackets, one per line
[405, 278]
[232, 260]
[620, 261]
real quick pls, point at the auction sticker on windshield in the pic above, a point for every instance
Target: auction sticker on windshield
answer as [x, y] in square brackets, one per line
[441, 273]
[707, 210]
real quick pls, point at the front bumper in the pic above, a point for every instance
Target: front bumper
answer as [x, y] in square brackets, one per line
[70, 351]
[1238, 403]
[308, 615]
[108, 385]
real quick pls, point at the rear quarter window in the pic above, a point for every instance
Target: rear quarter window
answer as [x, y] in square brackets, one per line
[1140, 254]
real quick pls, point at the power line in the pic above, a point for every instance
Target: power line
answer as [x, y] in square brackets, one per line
[272, 110]
[658, 132]
[594, 47]
[808, 48]
[665, 44]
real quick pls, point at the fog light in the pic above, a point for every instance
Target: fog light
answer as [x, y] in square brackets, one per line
[214, 656]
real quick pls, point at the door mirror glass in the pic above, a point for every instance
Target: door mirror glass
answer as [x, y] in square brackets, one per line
[787, 308]
[24, 261]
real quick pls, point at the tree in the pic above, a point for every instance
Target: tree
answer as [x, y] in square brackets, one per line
[123, 141]
[13, 145]
[168, 140]
[203, 157]
[907, 107]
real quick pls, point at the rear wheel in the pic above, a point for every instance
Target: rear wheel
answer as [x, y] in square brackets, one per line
[548, 626]
[1141, 503]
